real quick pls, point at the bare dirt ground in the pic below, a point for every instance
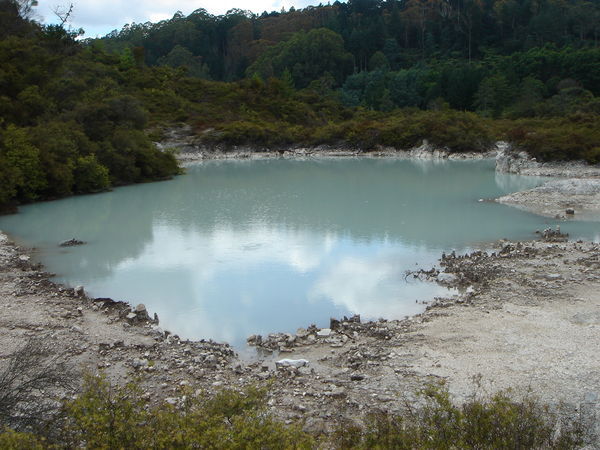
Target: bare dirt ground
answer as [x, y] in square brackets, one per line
[528, 318]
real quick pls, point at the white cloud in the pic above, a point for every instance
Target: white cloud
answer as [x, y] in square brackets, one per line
[98, 17]
[374, 287]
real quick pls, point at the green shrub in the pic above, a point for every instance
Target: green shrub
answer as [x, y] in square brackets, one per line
[571, 138]
[90, 175]
[23, 159]
[106, 417]
[496, 422]
[11, 440]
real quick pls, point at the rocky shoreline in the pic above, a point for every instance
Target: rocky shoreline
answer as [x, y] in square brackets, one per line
[182, 141]
[425, 151]
[527, 318]
[574, 193]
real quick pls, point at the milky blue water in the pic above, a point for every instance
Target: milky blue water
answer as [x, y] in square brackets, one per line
[234, 248]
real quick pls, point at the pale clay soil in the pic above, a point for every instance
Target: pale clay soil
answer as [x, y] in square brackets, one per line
[527, 318]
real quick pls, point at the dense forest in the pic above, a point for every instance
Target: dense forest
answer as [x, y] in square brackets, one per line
[80, 115]
[368, 73]
[486, 55]
[69, 122]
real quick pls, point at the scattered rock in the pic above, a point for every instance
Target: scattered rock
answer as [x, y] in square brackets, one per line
[550, 235]
[570, 211]
[71, 243]
[324, 332]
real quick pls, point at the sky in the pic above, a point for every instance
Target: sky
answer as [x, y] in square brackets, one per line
[99, 17]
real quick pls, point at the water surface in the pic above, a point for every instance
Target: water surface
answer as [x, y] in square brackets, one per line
[235, 248]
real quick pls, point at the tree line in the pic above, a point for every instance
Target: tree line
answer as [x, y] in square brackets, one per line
[404, 32]
[518, 58]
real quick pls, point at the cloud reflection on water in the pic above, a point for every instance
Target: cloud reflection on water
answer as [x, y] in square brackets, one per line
[370, 282]
[241, 247]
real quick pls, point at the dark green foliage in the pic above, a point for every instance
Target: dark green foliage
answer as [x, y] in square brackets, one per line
[307, 56]
[574, 137]
[70, 120]
[23, 161]
[89, 175]
[105, 416]
[402, 31]
[497, 422]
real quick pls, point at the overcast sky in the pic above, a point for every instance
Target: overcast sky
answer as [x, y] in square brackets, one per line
[99, 17]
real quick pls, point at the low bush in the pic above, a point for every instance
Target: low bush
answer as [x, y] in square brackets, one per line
[104, 416]
[481, 423]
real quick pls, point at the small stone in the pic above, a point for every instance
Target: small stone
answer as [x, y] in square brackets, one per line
[79, 291]
[291, 363]
[131, 316]
[446, 277]
[139, 363]
[71, 243]
[301, 333]
[141, 312]
[255, 339]
[337, 392]
[357, 377]
[210, 359]
[553, 276]
[570, 211]
[324, 332]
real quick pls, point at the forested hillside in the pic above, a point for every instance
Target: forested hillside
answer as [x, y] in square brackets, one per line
[356, 73]
[487, 55]
[80, 115]
[70, 121]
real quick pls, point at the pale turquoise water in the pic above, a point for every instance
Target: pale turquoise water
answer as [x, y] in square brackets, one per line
[235, 248]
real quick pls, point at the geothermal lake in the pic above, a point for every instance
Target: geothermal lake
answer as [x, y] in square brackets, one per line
[235, 248]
